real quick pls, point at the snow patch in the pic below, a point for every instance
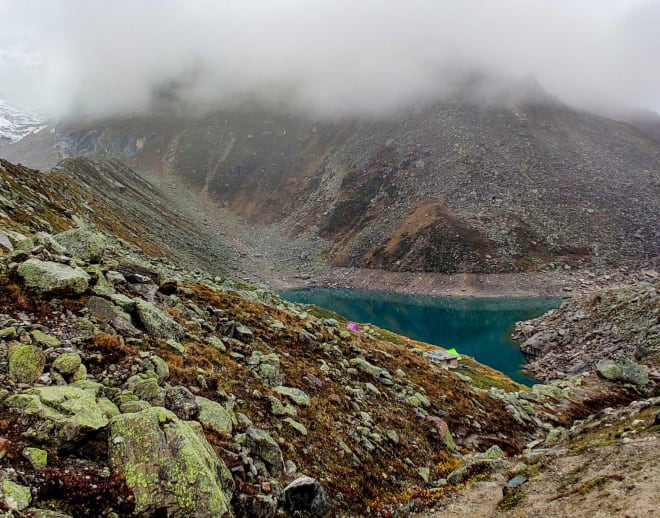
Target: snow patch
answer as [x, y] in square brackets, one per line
[15, 124]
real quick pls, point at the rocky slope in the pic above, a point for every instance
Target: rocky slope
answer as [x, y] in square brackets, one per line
[519, 183]
[586, 332]
[131, 385]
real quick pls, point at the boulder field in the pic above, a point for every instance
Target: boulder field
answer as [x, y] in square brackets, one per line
[133, 386]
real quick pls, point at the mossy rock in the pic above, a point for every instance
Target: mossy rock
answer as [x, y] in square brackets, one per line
[26, 363]
[170, 467]
[45, 339]
[67, 363]
[61, 416]
[37, 457]
[55, 278]
[83, 244]
[623, 370]
[298, 396]
[157, 323]
[13, 496]
[214, 416]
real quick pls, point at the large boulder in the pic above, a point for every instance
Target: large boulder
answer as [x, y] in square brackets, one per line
[61, 416]
[157, 323]
[26, 363]
[623, 370]
[83, 244]
[171, 468]
[55, 278]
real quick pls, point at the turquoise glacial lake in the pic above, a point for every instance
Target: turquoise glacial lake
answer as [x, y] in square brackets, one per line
[478, 327]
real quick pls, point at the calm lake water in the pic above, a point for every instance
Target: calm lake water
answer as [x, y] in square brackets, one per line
[479, 327]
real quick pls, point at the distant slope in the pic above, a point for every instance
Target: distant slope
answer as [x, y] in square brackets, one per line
[117, 200]
[520, 184]
[16, 124]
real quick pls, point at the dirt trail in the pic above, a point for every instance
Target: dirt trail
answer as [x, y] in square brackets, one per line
[619, 480]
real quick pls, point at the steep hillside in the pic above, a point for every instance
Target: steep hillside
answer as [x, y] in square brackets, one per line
[520, 183]
[117, 200]
[131, 385]
[586, 332]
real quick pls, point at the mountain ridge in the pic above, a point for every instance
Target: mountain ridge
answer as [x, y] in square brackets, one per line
[451, 187]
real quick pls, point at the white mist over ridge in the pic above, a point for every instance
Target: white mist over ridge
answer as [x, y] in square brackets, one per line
[327, 57]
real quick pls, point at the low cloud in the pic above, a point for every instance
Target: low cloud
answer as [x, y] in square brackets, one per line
[328, 57]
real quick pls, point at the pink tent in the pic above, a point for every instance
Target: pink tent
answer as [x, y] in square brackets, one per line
[354, 327]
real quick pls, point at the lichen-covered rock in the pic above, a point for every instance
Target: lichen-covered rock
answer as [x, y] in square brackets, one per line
[262, 445]
[307, 496]
[13, 496]
[51, 277]
[161, 368]
[170, 467]
[104, 310]
[623, 370]
[67, 363]
[83, 244]
[26, 363]
[556, 436]
[214, 416]
[37, 457]
[214, 341]
[79, 374]
[157, 323]
[44, 339]
[298, 427]
[61, 416]
[298, 396]
[145, 386]
[267, 367]
[177, 347]
[364, 366]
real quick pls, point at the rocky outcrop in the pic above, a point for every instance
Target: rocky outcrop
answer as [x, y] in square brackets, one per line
[617, 323]
[62, 416]
[169, 465]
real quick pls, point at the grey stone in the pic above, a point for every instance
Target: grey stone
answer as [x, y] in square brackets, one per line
[157, 323]
[182, 402]
[306, 495]
[56, 278]
[214, 416]
[262, 445]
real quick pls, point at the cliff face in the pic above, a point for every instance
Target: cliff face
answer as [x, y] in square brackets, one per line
[133, 385]
[520, 184]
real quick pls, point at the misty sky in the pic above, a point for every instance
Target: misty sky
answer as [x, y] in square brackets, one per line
[330, 57]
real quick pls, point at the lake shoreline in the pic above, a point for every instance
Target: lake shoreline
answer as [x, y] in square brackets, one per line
[556, 283]
[478, 327]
